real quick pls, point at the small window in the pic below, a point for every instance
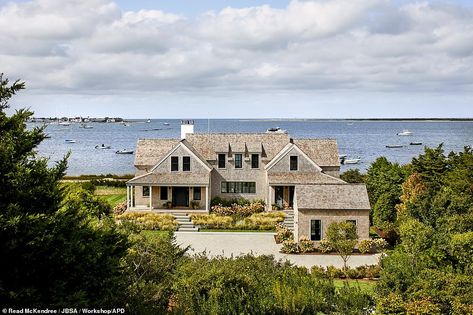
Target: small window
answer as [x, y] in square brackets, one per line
[197, 193]
[293, 163]
[254, 161]
[223, 187]
[174, 164]
[145, 191]
[221, 161]
[315, 230]
[186, 163]
[238, 160]
[163, 195]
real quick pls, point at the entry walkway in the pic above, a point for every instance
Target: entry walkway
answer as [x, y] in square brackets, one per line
[235, 244]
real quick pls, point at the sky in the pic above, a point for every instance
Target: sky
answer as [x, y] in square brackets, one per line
[240, 59]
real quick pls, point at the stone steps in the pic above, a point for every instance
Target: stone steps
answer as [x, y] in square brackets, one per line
[185, 223]
[289, 219]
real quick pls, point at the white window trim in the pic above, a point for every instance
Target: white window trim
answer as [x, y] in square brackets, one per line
[190, 167]
[170, 163]
[321, 229]
[234, 161]
[225, 155]
[251, 161]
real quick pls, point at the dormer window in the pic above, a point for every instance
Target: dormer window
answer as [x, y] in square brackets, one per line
[221, 160]
[174, 163]
[186, 163]
[293, 164]
[238, 160]
[255, 161]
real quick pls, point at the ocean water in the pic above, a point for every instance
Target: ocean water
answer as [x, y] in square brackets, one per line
[366, 140]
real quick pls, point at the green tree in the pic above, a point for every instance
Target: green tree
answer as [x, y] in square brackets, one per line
[353, 176]
[59, 247]
[343, 238]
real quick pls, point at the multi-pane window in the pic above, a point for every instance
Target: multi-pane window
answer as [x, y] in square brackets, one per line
[238, 160]
[293, 163]
[174, 163]
[315, 230]
[163, 195]
[197, 193]
[221, 161]
[238, 187]
[145, 191]
[186, 163]
[254, 161]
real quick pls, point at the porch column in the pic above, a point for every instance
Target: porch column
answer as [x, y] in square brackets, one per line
[151, 197]
[270, 202]
[127, 197]
[207, 198]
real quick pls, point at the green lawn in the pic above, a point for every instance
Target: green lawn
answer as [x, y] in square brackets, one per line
[365, 285]
[113, 195]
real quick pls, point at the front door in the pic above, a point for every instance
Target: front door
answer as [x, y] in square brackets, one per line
[279, 194]
[180, 196]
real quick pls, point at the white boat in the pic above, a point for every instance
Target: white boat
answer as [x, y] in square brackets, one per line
[405, 133]
[64, 123]
[166, 124]
[103, 147]
[124, 151]
[148, 121]
[351, 161]
[126, 124]
[276, 130]
[69, 141]
[86, 126]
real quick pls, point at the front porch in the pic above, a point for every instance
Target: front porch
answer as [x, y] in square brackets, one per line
[281, 197]
[168, 199]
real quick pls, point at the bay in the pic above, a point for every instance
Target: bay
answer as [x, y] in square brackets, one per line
[366, 140]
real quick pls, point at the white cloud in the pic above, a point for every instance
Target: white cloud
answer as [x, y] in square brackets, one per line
[91, 46]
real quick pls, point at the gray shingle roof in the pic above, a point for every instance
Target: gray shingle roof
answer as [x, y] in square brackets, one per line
[333, 197]
[302, 178]
[322, 151]
[171, 179]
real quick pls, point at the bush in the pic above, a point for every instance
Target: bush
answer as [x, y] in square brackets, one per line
[334, 272]
[218, 201]
[289, 247]
[390, 304]
[283, 233]
[89, 186]
[420, 307]
[379, 244]
[237, 210]
[120, 208]
[306, 245]
[212, 221]
[318, 271]
[262, 221]
[149, 221]
[325, 247]
[108, 182]
[194, 204]
[365, 246]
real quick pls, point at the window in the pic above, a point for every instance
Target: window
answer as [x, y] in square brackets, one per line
[186, 163]
[315, 230]
[293, 163]
[174, 163]
[145, 191]
[238, 187]
[254, 161]
[197, 193]
[221, 161]
[163, 193]
[238, 161]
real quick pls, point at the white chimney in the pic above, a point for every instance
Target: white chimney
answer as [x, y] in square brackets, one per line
[187, 126]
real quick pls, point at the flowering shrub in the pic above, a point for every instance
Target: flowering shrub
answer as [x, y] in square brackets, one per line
[283, 233]
[325, 246]
[370, 246]
[289, 247]
[361, 272]
[237, 210]
[262, 221]
[149, 221]
[306, 245]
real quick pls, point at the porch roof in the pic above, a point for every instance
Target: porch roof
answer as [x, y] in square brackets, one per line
[332, 197]
[302, 178]
[170, 179]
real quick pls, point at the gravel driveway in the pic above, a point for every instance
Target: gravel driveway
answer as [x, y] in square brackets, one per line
[234, 244]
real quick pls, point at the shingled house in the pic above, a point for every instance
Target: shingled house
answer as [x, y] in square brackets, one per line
[183, 175]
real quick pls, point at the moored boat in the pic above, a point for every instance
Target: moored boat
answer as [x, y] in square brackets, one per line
[351, 161]
[69, 141]
[394, 146]
[276, 130]
[124, 151]
[103, 146]
[405, 133]
[415, 143]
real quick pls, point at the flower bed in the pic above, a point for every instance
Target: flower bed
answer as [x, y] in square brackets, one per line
[149, 221]
[259, 221]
